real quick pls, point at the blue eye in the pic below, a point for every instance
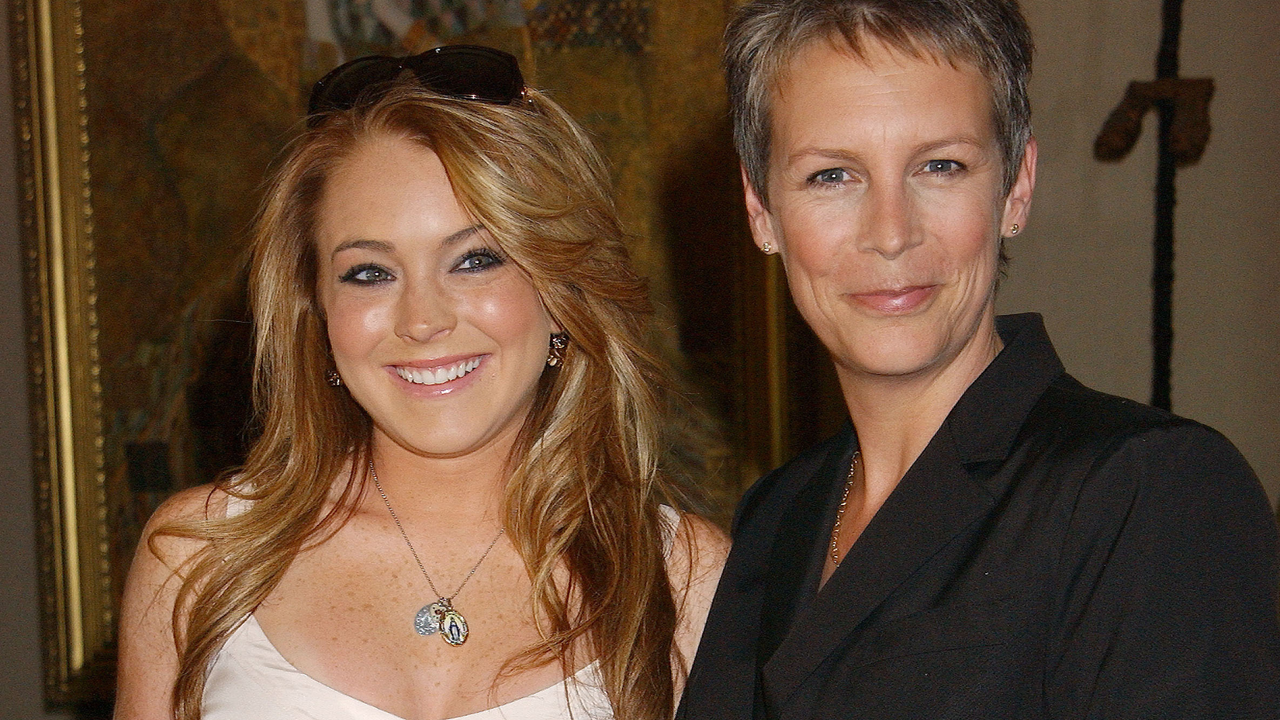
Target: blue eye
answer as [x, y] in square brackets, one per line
[478, 260]
[944, 167]
[830, 176]
[367, 274]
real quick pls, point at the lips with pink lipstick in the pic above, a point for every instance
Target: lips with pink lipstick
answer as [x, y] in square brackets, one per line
[895, 301]
[439, 374]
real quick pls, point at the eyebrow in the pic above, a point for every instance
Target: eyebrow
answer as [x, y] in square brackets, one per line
[844, 156]
[830, 154]
[461, 235]
[386, 247]
[376, 245]
[948, 142]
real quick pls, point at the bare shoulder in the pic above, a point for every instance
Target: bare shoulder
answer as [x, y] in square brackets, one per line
[694, 565]
[148, 655]
[698, 551]
[189, 506]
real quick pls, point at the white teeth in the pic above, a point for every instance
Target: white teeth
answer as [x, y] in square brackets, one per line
[439, 375]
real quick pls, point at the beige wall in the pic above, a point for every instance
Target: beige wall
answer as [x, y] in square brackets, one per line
[1084, 262]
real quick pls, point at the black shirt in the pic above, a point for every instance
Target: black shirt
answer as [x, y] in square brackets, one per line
[1054, 552]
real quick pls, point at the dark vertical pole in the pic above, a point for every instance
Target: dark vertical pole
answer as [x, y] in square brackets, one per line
[1166, 199]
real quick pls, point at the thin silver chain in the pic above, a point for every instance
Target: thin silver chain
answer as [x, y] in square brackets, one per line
[844, 500]
[423, 568]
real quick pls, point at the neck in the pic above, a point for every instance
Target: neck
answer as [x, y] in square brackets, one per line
[896, 417]
[464, 492]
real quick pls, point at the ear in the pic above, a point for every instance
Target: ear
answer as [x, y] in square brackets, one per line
[1017, 206]
[556, 327]
[758, 216]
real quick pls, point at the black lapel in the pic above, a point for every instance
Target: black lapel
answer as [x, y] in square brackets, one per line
[937, 499]
[765, 606]
[794, 569]
[917, 520]
[723, 680]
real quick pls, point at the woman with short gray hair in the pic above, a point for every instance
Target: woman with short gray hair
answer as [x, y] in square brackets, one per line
[987, 538]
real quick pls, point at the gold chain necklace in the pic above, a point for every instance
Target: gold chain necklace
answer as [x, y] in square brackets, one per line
[439, 616]
[844, 500]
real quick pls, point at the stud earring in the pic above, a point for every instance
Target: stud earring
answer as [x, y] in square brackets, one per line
[1014, 230]
[555, 355]
[766, 248]
[333, 378]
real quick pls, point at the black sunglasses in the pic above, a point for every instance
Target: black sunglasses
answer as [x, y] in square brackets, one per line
[467, 72]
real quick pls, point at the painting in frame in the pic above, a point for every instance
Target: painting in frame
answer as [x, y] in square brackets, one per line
[145, 130]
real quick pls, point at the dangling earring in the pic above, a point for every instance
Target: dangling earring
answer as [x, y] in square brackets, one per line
[555, 355]
[333, 378]
[766, 248]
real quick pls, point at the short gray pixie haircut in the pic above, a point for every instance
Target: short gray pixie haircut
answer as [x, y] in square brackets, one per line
[765, 35]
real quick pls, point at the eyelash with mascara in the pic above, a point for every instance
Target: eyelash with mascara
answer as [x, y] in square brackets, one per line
[472, 261]
[353, 275]
[491, 259]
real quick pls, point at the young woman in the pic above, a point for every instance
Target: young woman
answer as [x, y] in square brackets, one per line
[457, 506]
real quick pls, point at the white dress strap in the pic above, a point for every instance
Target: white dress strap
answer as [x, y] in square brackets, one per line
[237, 505]
[670, 527]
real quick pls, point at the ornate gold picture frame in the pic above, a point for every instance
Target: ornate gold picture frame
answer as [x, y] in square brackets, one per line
[145, 128]
[76, 595]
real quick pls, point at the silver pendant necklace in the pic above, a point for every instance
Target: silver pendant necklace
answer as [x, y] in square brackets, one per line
[439, 616]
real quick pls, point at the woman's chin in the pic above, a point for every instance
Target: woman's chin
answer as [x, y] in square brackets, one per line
[922, 360]
[888, 352]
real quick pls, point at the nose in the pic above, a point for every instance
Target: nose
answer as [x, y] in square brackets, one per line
[889, 227]
[424, 310]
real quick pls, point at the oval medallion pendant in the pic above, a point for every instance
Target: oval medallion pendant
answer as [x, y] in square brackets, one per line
[427, 621]
[453, 627]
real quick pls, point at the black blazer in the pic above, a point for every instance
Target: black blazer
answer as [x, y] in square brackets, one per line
[1054, 552]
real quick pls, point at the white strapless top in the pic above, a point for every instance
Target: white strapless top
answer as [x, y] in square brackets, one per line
[249, 678]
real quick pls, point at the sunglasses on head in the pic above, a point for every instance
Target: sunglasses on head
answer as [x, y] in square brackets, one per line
[467, 72]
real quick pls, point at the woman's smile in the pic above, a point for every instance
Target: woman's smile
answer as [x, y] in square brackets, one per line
[895, 301]
[437, 373]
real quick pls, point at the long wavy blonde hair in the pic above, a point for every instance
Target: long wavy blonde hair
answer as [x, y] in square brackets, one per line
[587, 483]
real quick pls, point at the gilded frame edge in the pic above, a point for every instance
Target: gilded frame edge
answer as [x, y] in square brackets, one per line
[76, 607]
